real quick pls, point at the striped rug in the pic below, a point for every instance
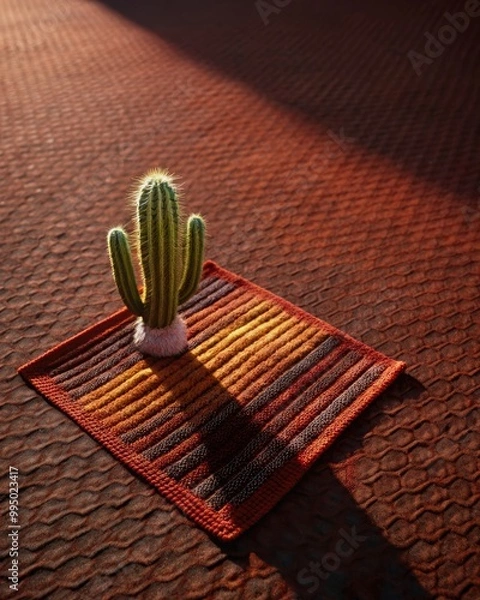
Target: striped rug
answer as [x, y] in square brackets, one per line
[225, 430]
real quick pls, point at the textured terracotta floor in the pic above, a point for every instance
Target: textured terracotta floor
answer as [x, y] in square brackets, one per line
[328, 172]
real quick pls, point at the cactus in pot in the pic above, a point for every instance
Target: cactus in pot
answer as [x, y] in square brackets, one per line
[171, 264]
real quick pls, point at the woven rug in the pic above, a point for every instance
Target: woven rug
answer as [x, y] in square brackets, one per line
[225, 430]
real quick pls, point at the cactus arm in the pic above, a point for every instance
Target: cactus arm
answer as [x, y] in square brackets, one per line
[121, 261]
[194, 251]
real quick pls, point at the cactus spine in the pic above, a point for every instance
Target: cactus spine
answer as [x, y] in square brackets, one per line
[171, 263]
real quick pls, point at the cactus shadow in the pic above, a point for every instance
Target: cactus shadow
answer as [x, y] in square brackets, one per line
[201, 405]
[301, 537]
[325, 545]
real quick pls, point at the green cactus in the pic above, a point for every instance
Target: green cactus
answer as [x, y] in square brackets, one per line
[171, 263]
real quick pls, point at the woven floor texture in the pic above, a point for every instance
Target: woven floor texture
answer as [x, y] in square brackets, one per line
[331, 173]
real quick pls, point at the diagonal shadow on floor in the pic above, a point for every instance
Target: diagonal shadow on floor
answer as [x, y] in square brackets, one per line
[344, 67]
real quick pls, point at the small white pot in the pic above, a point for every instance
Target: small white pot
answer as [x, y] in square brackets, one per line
[168, 341]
